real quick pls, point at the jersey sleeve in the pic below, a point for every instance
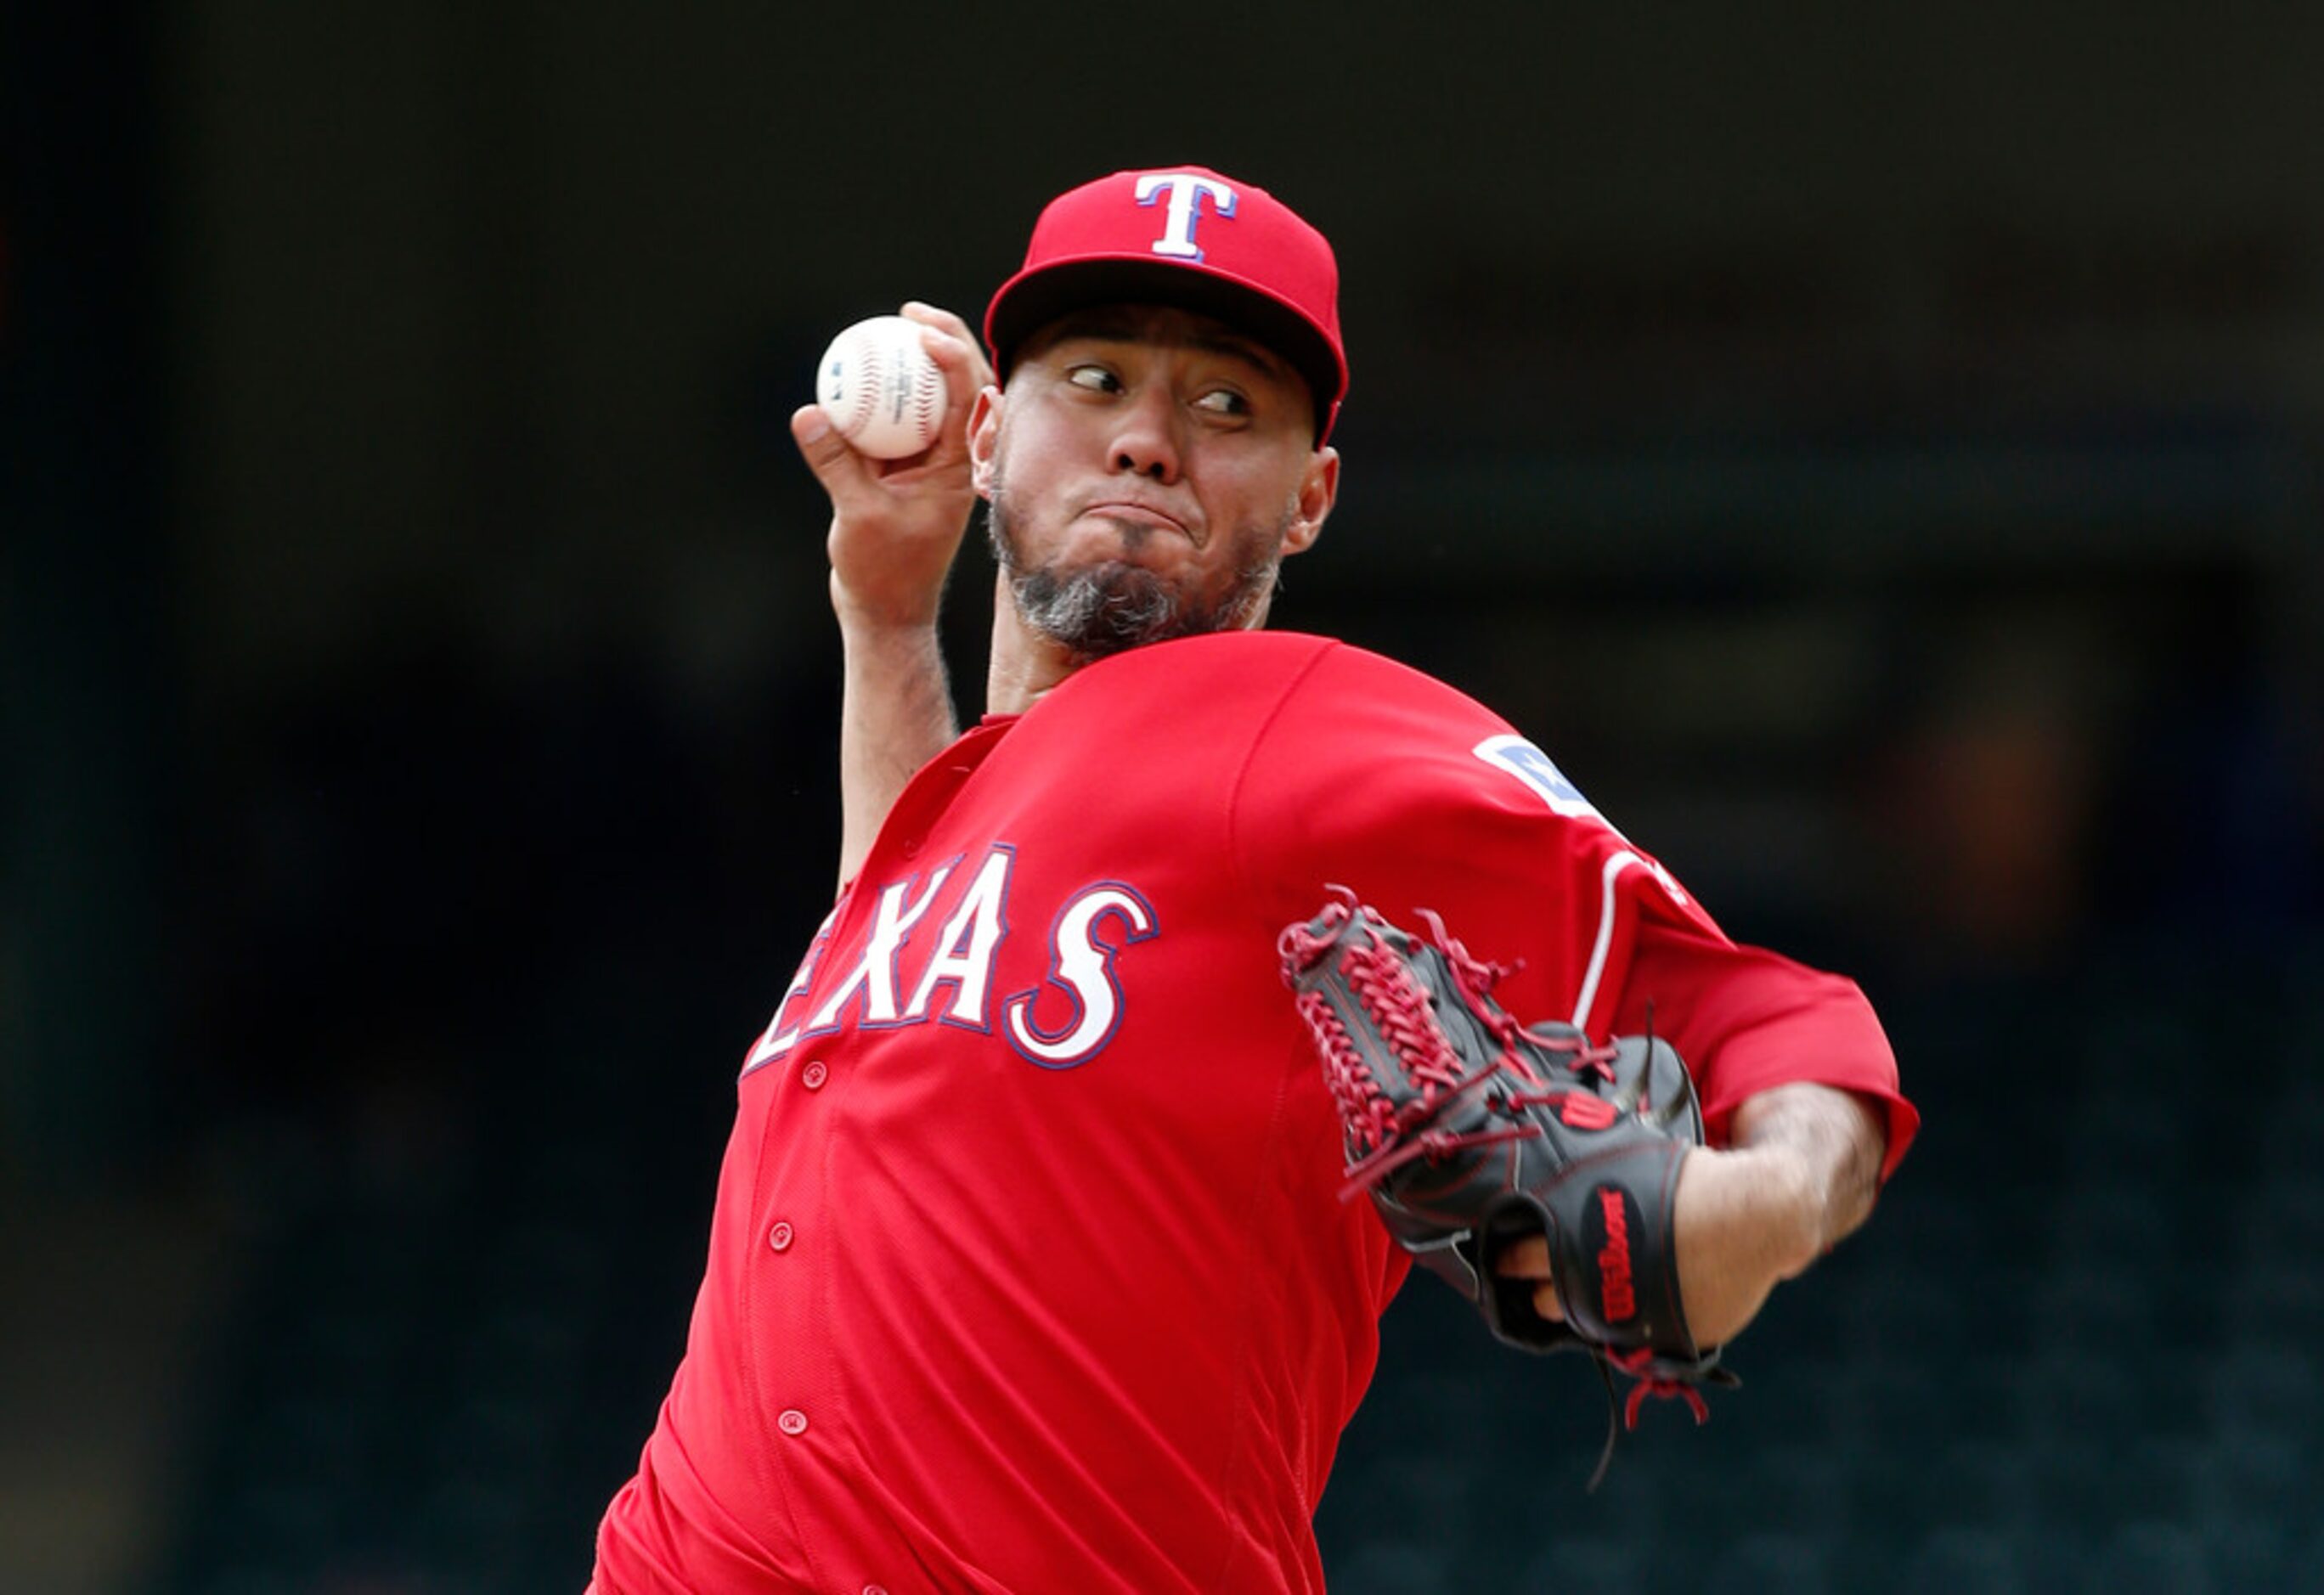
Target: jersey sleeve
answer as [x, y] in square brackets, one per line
[1414, 796]
[1747, 1021]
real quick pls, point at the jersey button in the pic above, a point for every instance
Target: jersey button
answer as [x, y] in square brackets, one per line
[779, 1236]
[791, 1420]
[813, 1074]
[875, 1589]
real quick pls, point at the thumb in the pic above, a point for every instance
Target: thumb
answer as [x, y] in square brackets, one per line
[842, 471]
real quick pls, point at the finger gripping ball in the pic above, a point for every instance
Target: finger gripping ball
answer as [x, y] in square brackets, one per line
[882, 391]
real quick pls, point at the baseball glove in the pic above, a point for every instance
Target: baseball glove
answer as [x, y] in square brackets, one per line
[1473, 1133]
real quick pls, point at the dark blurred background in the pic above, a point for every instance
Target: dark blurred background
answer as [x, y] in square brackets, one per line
[1876, 451]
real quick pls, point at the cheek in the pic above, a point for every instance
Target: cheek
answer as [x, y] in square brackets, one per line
[1030, 454]
[1252, 499]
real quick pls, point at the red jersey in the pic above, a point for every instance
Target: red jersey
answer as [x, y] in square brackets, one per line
[1029, 1270]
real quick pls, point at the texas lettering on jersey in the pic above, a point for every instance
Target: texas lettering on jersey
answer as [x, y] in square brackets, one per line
[894, 978]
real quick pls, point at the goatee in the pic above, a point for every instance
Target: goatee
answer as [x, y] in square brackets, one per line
[1097, 610]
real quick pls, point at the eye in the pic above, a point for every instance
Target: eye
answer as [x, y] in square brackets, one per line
[1096, 379]
[1223, 401]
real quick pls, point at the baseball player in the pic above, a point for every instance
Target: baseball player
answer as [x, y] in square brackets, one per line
[1030, 1268]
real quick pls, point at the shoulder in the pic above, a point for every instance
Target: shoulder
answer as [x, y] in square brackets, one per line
[1256, 657]
[1352, 705]
[1247, 660]
[1309, 671]
[1358, 722]
[1322, 709]
[1227, 674]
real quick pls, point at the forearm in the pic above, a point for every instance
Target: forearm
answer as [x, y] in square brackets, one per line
[895, 525]
[1801, 1173]
[895, 714]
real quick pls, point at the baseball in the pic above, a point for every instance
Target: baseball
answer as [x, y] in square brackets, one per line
[880, 388]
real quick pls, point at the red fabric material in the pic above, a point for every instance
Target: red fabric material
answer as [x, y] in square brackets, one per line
[1758, 1019]
[1069, 1298]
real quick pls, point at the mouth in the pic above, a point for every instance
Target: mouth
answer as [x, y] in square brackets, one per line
[1129, 514]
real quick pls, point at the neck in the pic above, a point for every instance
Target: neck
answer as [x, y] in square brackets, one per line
[1024, 664]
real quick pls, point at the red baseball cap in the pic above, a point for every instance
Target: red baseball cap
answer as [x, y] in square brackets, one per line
[1184, 236]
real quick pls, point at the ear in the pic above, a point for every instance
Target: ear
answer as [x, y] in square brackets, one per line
[1319, 490]
[983, 438]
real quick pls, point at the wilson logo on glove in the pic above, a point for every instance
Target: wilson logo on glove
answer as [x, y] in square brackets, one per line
[1614, 1284]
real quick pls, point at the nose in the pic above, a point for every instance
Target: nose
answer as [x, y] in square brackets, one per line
[1146, 439]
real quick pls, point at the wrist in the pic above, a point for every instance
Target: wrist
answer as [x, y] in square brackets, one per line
[863, 618]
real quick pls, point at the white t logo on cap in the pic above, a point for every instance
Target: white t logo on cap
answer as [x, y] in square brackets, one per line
[1185, 209]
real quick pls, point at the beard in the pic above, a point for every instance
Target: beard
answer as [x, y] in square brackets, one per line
[1097, 610]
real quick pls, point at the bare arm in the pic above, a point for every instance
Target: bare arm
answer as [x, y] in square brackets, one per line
[895, 714]
[895, 527]
[1801, 1173]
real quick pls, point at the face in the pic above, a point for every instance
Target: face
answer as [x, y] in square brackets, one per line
[1147, 470]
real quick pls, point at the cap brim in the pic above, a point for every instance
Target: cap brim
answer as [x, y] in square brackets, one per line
[1033, 298]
